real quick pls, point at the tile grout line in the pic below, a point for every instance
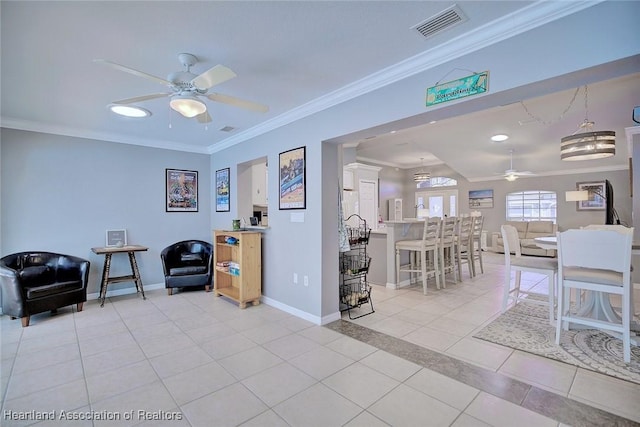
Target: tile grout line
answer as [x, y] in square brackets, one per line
[562, 409]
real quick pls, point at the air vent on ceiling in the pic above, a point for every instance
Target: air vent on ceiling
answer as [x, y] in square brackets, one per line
[446, 19]
[227, 129]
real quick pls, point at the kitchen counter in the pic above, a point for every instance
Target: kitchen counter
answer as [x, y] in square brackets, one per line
[379, 231]
[406, 229]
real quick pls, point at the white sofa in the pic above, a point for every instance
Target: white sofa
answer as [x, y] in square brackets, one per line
[527, 231]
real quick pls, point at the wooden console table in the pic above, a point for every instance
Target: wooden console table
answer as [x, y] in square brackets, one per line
[107, 251]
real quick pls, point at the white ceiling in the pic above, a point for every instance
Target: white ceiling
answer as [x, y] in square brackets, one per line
[289, 55]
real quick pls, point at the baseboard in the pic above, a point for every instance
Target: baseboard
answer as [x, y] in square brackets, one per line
[301, 314]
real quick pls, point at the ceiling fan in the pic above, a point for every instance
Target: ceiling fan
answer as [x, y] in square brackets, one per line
[511, 174]
[186, 89]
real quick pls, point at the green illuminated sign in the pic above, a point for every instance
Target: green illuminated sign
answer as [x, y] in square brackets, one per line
[460, 88]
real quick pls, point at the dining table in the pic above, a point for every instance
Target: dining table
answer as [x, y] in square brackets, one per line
[551, 242]
[597, 305]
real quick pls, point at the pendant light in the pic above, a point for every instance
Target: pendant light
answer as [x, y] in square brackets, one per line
[421, 176]
[587, 144]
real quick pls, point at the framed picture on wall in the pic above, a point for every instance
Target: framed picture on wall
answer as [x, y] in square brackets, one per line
[222, 190]
[181, 190]
[480, 199]
[293, 183]
[597, 196]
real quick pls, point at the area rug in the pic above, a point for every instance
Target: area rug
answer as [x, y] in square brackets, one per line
[526, 327]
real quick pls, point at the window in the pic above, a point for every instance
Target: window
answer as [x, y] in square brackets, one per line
[532, 206]
[437, 181]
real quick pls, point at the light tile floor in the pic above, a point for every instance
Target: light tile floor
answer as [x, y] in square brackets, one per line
[193, 359]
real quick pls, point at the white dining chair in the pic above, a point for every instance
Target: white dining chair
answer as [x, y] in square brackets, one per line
[423, 254]
[634, 286]
[516, 262]
[597, 261]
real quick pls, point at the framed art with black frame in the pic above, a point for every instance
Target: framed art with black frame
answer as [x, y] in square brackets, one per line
[181, 190]
[222, 190]
[292, 190]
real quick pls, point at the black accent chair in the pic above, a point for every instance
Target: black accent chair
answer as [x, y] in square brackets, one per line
[35, 282]
[187, 263]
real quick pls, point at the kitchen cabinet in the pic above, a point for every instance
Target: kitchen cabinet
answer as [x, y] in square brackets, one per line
[259, 188]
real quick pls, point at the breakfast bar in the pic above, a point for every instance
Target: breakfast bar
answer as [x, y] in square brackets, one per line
[406, 229]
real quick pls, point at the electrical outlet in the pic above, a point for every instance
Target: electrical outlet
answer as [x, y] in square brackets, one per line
[295, 278]
[306, 280]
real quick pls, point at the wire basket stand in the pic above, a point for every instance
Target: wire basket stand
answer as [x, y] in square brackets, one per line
[355, 290]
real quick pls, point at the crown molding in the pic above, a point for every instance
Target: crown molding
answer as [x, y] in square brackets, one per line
[31, 126]
[518, 22]
[598, 169]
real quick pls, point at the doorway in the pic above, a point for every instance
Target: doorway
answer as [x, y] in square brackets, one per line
[436, 203]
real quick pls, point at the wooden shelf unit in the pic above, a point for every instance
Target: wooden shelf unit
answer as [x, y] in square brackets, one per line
[247, 254]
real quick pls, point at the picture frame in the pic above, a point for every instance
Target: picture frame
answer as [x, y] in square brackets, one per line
[479, 199]
[223, 191]
[116, 238]
[181, 193]
[597, 196]
[292, 188]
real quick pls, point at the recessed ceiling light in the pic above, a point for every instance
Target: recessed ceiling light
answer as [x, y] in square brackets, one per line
[129, 111]
[432, 122]
[499, 138]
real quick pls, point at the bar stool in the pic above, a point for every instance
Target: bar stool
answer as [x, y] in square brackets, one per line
[447, 249]
[423, 254]
[475, 247]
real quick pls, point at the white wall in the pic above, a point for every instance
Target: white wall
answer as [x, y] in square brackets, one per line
[60, 194]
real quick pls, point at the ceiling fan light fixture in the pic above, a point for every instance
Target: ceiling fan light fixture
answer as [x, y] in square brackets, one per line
[187, 105]
[511, 177]
[499, 138]
[129, 110]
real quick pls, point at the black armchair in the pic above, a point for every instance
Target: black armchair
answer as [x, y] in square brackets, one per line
[186, 264]
[35, 282]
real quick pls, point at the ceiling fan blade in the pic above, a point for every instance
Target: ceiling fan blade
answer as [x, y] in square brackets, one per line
[213, 76]
[204, 117]
[237, 102]
[132, 71]
[141, 98]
